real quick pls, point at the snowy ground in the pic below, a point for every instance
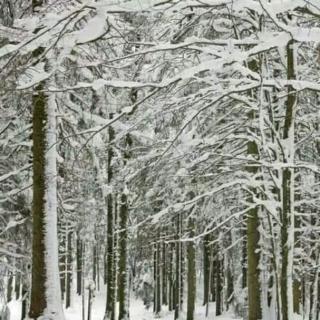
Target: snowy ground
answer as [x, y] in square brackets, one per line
[137, 311]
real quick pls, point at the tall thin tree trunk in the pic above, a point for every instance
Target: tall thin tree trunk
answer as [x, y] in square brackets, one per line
[69, 269]
[123, 276]
[170, 277]
[182, 264]
[244, 259]
[90, 294]
[45, 286]
[62, 261]
[110, 303]
[206, 267]
[79, 264]
[83, 295]
[17, 284]
[38, 301]
[94, 262]
[9, 287]
[253, 253]
[191, 275]
[158, 278]
[287, 228]
[219, 285]
[164, 274]
[177, 271]
[24, 303]
[212, 276]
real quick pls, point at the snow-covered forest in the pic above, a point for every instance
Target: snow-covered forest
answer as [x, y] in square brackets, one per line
[159, 159]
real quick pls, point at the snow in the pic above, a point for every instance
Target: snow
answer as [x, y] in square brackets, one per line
[137, 310]
[33, 76]
[95, 28]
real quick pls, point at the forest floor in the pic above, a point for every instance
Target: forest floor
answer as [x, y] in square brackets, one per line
[137, 310]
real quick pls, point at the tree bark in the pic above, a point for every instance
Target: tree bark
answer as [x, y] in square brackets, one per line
[110, 304]
[177, 270]
[206, 267]
[164, 274]
[45, 288]
[79, 264]
[191, 275]
[123, 276]
[253, 250]
[69, 269]
[9, 287]
[287, 228]
[45, 285]
[219, 286]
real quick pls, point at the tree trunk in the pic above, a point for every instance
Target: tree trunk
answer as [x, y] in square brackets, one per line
[253, 275]
[164, 274]
[212, 276]
[17, 285]
[287, 228]
[123, 276]
[45, 287]
[79, 264]
[62, 262]
[69, 269]
[253, 253]
[89, 303]
[191, 275]
[158, 278]
[94, 262]
[206, 268]
[170, 277]
[177, 271]
[9, 287]
[230, 288]
[219, 286]
[82, 282]
[110, 312]
[24, 303]
[244, 259]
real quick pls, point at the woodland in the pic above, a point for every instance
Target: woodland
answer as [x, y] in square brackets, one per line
[159, 159]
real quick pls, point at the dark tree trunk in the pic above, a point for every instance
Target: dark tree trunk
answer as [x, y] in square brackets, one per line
[9, 287]
[38, 302]
[123, 276]
[213, 282]
[191, 272]
[177, 270]
[287, 241]
[244, 259]
[94, 263]
[79, 264]
[90, 294]
[219, 286]
[69, 269]
[230, 288]
[62, 264]
[44, 214]
[164, 275]
[253, 236]
[170, 277]
[17, 285]
[24, 303]
[110, 304]
[206, 267]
